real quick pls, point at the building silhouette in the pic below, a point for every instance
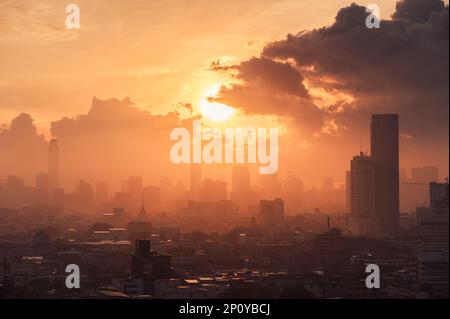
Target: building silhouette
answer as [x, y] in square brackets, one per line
[385, 155]
[271, 212]
[432, 263]
[348, 191]
[53, 164]
[363, 217]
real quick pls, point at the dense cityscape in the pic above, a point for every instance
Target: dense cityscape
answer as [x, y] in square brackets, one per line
[167, 241]
[224, 158]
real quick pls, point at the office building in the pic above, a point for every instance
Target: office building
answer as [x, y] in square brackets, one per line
[363, 218]
[385, 155]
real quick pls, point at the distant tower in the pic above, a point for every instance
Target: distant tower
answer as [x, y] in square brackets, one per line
[53, 164]
[385, 155]
[348, 190]
[142, 216]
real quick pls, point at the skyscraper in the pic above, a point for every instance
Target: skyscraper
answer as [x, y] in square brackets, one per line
[439, 197]
[433, 229]
[53, 164]
[348, 191]
[363, 218]
[385, 155]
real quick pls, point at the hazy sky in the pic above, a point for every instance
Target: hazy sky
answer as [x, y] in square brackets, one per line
[319, 86]
[156, 52]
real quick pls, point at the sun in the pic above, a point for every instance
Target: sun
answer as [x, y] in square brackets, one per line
[214, 111]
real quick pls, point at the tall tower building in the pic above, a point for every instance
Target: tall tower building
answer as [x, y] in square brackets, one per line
[364, 219]
[53, 164]
[348, 191]
[439, 196]
[196, 180]
[384, 145]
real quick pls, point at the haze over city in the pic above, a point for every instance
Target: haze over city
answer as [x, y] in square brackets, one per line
[321, 98]
[358, 170]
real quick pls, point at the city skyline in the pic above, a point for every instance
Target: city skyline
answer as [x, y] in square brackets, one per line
[285, 87]
[224, 149]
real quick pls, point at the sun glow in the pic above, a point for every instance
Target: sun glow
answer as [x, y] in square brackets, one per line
[214, 111]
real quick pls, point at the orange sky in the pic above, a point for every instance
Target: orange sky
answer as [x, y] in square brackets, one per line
[155, 52]
[159, 54]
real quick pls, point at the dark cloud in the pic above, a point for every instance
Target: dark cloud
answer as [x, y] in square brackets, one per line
[417, 10]
[400, 55]
[266, 86]
[278, 76]
[401, 67]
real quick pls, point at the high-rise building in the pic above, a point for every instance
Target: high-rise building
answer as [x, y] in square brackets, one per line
[149, 265]
[53, 164]
[433, 221]
[439, 197]
[271, 212]
[433, 230]
[385, 156]
[142, 216]
[363, 217]
[348, 191]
